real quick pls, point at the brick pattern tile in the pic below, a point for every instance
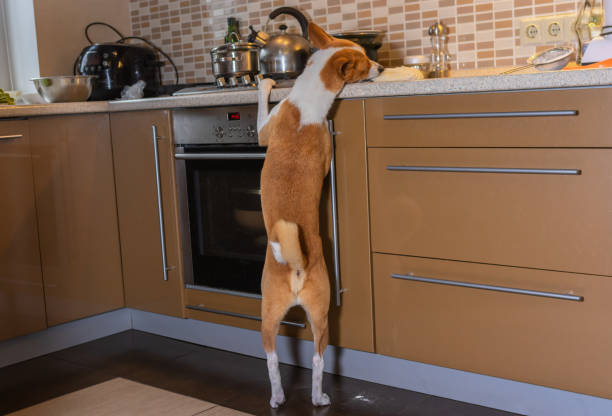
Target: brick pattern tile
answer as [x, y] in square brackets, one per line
[483, 33]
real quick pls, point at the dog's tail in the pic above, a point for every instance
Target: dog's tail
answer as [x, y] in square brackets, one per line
[285, 243]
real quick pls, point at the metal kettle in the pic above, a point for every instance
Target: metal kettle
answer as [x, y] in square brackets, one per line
[283, 55]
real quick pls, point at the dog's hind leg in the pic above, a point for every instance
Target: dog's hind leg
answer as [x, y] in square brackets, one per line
[316, 304]
[273, 310]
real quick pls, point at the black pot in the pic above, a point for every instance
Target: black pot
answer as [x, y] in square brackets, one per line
[117, 65]
[370, 40]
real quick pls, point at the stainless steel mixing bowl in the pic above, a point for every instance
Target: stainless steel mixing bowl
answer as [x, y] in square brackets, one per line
[62, 89]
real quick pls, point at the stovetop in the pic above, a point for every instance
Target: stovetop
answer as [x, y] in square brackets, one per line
[209, 88]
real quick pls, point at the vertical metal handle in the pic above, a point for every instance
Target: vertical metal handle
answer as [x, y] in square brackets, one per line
[162, 233]
[334, 201]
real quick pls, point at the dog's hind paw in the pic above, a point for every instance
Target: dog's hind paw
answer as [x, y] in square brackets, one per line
[322, 400]
[276, 400]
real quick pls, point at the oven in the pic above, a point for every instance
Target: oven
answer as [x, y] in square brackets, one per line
[218, 167]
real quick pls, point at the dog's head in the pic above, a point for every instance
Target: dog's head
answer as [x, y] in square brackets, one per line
[348, 63]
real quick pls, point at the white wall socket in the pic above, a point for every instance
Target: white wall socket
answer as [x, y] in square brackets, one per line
[547, 29]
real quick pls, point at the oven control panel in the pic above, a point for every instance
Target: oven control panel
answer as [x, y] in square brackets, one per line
[218, 125]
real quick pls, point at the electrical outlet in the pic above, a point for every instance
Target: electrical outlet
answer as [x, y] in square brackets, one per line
[531, 33]
[547, 29]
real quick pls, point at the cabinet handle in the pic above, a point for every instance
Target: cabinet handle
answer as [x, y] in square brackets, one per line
[334, 202]
[11, 137]
[485, 170]
[218, 156]
[501, 114]
[241, 315]
[553, 295]
[159, 204]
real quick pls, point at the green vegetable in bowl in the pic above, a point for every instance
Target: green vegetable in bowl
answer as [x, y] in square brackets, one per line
[5, 98]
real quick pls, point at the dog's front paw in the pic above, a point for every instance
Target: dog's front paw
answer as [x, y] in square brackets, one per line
[266, 84]
[277, 399]
[322, 400]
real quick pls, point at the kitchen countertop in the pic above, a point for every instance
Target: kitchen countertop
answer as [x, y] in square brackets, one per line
[456, 84]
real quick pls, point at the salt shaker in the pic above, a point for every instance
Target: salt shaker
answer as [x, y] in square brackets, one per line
[440, 59]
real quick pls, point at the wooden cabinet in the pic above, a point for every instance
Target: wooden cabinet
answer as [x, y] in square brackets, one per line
[351, 324]
[505, 190]
[551, 211]
[560, 343]
[22, 305]
[77, 215]
[139, 216]
[553, 118]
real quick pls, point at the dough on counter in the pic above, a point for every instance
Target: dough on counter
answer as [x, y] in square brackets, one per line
[401, 73]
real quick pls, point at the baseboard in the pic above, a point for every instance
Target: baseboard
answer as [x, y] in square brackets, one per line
[468, 387]
[64, 336]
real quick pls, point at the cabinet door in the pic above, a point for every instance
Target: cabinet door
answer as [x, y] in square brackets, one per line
[351, 324]
[22, 306]
[538, 208]
[77, 213]
[137, 200]
[470, 317]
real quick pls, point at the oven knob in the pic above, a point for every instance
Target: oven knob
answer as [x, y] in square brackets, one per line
[250, 131]
[219, 132]
[232, 81]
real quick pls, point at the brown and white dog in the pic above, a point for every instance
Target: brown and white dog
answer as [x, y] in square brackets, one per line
[297, 161]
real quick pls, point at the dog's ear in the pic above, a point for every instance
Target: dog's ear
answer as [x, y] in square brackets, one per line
[346, 64]
[318, 37]
[352, 65]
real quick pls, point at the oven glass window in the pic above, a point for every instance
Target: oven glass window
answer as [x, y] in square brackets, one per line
[228, 237]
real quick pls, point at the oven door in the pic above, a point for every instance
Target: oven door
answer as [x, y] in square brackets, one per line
[222, 227]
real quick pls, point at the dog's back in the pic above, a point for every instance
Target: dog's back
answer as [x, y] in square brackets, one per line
[297, 161]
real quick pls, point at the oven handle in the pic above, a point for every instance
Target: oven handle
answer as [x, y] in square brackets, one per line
[162, 232]
[218, 156]
[241, 315]
[334, 201]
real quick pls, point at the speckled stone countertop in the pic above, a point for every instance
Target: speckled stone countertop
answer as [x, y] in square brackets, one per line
[461, 82]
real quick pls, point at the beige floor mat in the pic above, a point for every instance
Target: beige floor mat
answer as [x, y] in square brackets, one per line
[121, 397]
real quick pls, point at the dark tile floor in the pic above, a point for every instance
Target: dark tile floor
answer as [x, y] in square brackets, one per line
[224, 378]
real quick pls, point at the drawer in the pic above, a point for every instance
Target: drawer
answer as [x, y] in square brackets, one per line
[13, 129]
[556, 219]
[241, 311]
[552, 342]
[554, 118]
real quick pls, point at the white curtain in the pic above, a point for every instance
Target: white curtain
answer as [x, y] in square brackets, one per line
[18, 46]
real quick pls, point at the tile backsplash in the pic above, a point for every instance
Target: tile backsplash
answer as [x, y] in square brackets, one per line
[483, 33]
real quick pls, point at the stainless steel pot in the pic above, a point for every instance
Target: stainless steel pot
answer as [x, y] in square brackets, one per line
[285, 55]
[235, 59]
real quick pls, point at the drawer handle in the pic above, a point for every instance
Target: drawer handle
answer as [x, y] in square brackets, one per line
[502, 114]
[485, 170]
[11, 137]
[489, 287]
[241, 315]
[219, 156]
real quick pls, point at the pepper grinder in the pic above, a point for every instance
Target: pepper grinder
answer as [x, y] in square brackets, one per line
[440, 58]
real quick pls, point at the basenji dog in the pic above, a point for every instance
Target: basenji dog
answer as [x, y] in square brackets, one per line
[297, 160]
